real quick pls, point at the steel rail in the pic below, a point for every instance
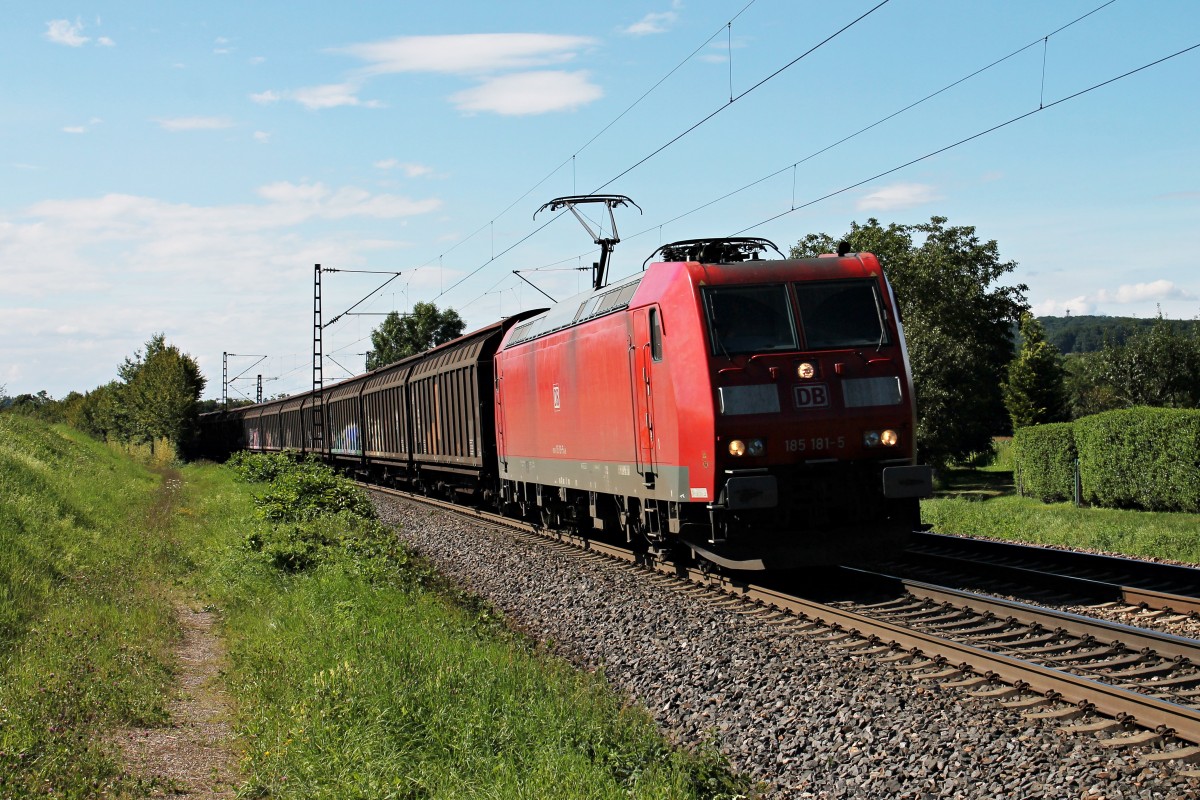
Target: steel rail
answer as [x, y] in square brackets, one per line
[1136, 582]
[1103, 631]
[1111, 700]
[1122, 704]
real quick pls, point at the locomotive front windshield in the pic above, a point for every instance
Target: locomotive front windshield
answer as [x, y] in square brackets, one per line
[761, 319]
[750, 319]
[841, 314]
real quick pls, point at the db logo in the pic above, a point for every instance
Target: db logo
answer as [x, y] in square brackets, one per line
[812, 395]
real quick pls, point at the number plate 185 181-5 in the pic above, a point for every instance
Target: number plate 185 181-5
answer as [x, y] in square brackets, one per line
[811, 395]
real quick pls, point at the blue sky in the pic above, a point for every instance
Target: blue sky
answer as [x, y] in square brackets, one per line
[181, 167]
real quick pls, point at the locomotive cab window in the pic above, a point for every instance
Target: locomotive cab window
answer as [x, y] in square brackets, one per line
[842, 314]
[655, 335]
[749, 319]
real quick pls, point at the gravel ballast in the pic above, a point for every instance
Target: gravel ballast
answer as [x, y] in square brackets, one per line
[806, 720]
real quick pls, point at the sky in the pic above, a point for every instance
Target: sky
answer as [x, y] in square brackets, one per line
[181, 167]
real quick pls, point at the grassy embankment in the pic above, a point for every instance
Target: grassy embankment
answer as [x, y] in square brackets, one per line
[85, 623]
[982, 501]
[355, 672]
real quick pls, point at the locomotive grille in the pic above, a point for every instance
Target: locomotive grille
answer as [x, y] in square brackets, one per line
[860, 392]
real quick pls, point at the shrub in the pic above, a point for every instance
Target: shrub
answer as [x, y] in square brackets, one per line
[299, 489]
[261, 467]
[1044, 458]
[1145, 458]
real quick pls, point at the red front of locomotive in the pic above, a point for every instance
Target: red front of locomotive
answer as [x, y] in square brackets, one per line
[814, 419]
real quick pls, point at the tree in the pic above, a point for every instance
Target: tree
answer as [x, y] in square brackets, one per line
[103, 413]
[160, 395]
[1158, 366]
[163, 397]
[1087, 390]
[401, 336]
[1034, 392]
[40, 406]
[958, 322]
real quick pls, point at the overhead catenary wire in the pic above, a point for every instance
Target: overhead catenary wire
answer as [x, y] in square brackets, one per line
[994, 128]
[734, 99]
[794, 165]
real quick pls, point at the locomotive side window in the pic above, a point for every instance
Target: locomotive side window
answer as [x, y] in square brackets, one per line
[655, 336]
[841, 314]
[749, 319]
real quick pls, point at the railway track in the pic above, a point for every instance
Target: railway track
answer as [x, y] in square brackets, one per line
[1133, 686]
[1052, 574]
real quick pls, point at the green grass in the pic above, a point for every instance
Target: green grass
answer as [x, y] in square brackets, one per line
[982, 501]
[85, 629]
[358, 674]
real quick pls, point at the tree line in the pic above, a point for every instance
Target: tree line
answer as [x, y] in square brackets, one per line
[1090, 334]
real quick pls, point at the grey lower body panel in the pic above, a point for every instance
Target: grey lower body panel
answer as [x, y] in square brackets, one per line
[607, 477]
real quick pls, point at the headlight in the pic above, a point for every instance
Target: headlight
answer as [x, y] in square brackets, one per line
[806, 370]
[752, 447]
[887, 438]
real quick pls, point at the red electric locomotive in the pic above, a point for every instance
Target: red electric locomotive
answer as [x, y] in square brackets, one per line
[759, 412]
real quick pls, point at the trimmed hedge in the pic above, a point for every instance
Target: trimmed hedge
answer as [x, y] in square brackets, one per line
[1141, 458]
[1147, 458]
[1044, 458]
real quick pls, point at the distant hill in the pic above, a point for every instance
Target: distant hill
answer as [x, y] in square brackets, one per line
[1087, 334]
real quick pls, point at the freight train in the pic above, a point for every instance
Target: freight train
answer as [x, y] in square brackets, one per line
[746, 412]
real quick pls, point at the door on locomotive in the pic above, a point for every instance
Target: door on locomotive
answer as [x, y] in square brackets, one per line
[646, 353]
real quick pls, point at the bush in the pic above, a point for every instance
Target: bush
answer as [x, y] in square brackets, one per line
[299, 489]
[1146, 458]
[1044, 459]
[261, 467]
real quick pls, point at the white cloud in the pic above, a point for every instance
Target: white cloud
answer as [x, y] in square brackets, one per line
[1129, 294]
[654, 22]
[328, 96]
[529, 93]
[1142, 292]
[262, 137]
[91, 244]
[409, 169]
[63, 31]
[466, 53]
[104, 41]
[175, 124]
[266, 98]
[898, 196]
[91, 123]
[256, 60]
